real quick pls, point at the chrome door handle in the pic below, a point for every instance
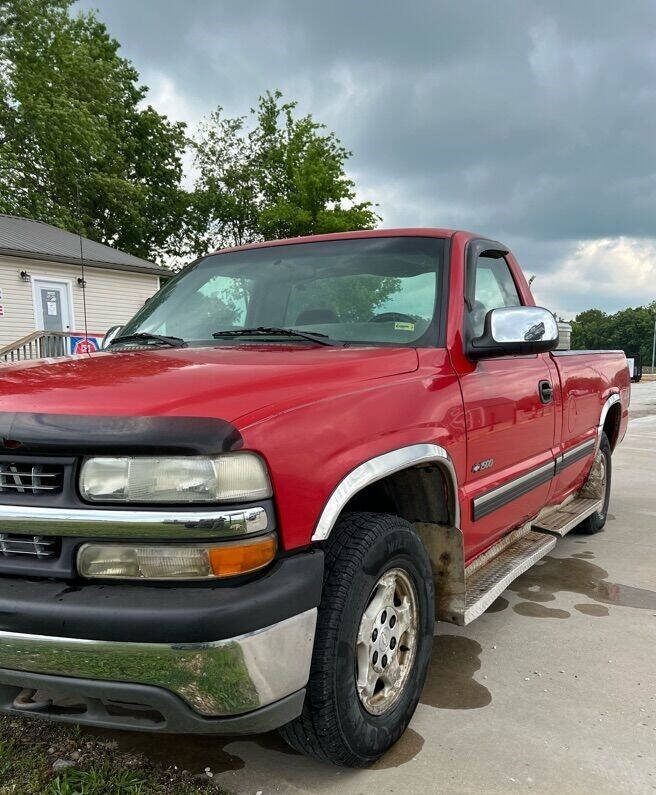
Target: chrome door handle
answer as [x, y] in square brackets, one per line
[546, 391]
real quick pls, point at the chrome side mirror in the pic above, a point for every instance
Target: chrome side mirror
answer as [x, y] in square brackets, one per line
[515, 330]
[113, 332]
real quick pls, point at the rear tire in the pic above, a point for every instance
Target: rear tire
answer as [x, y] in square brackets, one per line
[377, 604]
[596, 521]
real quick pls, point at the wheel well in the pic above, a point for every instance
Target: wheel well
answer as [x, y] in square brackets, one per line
[612, 424]
[418, 494]
[426, 496]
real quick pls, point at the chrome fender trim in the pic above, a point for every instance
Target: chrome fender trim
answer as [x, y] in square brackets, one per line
[378, 468]
[615, 398]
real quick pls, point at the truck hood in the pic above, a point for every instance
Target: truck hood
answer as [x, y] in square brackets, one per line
[222, 382]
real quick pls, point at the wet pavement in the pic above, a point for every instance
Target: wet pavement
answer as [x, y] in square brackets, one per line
[552, 690]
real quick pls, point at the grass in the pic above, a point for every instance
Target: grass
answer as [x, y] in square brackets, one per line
[28, 748]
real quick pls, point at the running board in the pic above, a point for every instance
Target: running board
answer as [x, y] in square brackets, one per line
[485, 583]
[565, 518]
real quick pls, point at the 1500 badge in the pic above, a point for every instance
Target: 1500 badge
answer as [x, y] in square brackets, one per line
[489, 462]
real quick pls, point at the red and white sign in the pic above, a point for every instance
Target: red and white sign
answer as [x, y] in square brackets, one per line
[83, 344]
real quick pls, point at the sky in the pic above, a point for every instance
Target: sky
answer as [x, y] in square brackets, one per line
[533, 123]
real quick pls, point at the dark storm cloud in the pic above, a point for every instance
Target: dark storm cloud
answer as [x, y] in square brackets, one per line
[530, 121]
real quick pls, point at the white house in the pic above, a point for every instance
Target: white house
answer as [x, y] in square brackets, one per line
[41, 285]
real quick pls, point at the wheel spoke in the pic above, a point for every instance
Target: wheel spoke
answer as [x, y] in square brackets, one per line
[383, 597]
[366, 628]
[392, 674]
[367, 677]
[364, 663]
[404, 617]
[388, 586]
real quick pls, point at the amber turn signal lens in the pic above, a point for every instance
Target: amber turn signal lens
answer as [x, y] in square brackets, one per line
[240, 557]
[175, 561]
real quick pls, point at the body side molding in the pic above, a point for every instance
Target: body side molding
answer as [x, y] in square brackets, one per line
[575, 454]
[512, 489]
[378, 468]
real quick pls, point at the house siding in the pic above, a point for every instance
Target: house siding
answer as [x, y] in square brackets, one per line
[112, 296]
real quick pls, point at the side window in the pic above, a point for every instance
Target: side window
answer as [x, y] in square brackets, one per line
[494, 288]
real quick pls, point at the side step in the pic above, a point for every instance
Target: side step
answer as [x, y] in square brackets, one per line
[488, 581]
[567, 516]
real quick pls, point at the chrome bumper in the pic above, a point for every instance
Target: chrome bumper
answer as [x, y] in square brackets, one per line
[107, 522]
[227, 677]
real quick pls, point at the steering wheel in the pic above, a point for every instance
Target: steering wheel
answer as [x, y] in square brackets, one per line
[391, 317]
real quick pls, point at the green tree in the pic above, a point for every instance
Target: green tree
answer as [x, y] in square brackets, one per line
[589, 330]
[72, 120]
[630, 330]
[269, 175]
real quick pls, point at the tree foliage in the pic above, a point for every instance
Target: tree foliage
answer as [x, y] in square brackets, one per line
[630, 330]
[72, 119]
[270, 175]
[74, 126]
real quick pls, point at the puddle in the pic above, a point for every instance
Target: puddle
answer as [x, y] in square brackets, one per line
[584, 555]
[188, 752]
[536, 610]
[537, 595]
[450, 683]
[498, 605]
[553, 575]
[408, 746]
[592, 610]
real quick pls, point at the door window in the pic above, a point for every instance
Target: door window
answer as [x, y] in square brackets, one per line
[494, 287]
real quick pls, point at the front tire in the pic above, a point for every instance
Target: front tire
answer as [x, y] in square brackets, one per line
[373, 642]
[596, 521]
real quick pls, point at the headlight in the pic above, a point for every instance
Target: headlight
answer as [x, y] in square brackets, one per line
[175, 561]
[233, 477]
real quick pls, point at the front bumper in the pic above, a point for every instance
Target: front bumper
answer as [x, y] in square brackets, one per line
[216, 658]
[222, 678]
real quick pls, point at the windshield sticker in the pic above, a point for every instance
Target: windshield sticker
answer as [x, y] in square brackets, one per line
[404, 326]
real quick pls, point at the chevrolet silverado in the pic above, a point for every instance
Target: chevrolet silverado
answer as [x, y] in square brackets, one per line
[249, 509]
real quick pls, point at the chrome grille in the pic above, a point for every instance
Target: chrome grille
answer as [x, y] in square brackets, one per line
[36, 546]
[20, 478]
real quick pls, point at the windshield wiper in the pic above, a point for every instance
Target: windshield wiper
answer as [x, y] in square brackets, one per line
[146, 336]
[270, 331]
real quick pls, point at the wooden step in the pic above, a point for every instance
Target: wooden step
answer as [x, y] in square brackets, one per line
[487, 582]
[561, 521]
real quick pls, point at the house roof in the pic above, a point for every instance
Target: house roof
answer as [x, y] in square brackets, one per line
[22, 237]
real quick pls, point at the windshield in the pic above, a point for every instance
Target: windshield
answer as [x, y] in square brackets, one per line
[380, 290]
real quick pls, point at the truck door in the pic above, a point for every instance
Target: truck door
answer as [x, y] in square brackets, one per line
[509, 415]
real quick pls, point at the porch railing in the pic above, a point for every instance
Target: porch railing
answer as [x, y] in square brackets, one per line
[37, 345]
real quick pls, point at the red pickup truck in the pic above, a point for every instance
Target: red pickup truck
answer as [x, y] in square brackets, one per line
[247, 512]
